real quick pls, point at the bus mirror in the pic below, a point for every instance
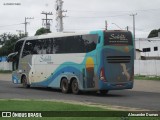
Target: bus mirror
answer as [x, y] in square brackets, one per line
[11, 57]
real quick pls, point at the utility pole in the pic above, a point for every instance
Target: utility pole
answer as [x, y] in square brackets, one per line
[127, 28]
[133, 15]
[20, 32]
[25, 23]
[59, 13]
[47, 21]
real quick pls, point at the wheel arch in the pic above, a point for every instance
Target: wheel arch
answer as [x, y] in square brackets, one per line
[63, 77]
[70, 80]
[23, 75]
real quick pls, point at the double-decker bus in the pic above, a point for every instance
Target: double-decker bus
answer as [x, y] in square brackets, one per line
[90, 61]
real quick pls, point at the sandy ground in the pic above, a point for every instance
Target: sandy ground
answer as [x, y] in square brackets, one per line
[147, 86]
[5, 77]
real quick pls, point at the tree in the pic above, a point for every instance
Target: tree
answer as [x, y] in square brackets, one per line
[153, 33]
[42, 31]
[8, 41]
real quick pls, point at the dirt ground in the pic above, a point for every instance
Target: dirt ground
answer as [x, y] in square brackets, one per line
[5, 77]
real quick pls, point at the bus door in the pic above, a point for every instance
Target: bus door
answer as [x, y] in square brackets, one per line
[15, 59]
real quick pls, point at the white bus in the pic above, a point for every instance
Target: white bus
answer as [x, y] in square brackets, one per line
[93, 61]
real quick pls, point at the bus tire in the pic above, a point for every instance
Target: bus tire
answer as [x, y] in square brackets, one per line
[64, 85]
[75, 88]
[24, 82]
[103, 92]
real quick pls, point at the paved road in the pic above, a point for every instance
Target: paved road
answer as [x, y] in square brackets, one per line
[149, 100]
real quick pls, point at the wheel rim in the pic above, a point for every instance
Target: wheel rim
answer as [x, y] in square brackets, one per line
[75, 86]
[24, 82]
[64, 86]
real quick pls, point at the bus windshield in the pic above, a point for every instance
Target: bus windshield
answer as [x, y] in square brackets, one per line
[118, 38]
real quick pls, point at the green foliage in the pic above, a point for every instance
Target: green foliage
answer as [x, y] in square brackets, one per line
[42, 31]
[5, 71]
[35, 105]
[142, 77]
[153, 33]
[8, 41]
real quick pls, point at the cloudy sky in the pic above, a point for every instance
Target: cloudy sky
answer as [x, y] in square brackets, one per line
[82, 15]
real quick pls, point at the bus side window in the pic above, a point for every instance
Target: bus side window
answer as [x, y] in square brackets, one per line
[90, 42]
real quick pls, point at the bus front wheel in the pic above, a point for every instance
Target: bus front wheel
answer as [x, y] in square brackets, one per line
[75, 89]
[24, 82]
[64, 85]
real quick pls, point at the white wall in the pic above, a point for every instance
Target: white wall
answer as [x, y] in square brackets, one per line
[138, 55]
[5, 66]
[148, 43]
[147, 67]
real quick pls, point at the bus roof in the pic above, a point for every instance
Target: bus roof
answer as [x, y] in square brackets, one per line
[54, 35]
[65, 34]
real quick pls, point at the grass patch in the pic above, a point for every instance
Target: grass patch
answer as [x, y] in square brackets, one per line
[6, 71]
[142, 77]
[32, 105]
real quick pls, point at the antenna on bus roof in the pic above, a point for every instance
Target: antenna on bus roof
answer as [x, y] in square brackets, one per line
[106, 25]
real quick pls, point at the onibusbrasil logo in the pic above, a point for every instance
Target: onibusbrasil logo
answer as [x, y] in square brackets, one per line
[21, 114]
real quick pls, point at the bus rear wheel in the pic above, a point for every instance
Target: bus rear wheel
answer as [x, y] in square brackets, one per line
[74, 85]
[64, 85]
[24, 82]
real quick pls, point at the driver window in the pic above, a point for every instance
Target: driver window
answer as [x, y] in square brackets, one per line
[28, 48]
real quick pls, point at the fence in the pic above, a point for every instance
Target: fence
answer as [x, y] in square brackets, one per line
[5, 66]
[147, 67]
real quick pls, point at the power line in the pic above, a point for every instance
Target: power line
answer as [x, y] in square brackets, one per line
[139, 10]
[84, 29]
[11, 25]
[99, 16]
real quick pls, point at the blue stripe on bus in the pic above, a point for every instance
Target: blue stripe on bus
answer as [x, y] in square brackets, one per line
[15, 79]
[56, 74]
